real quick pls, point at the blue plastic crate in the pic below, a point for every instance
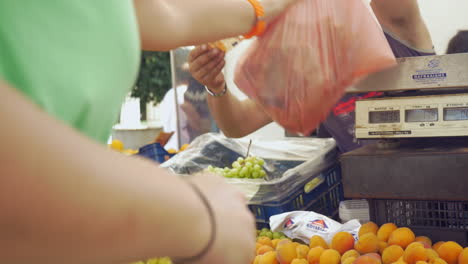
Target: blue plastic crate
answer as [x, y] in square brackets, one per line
[324, 198]
[155, 152]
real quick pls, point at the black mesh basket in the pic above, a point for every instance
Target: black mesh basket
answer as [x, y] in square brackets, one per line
[439, 220]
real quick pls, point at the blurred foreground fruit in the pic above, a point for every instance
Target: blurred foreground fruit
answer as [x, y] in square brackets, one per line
[392, 254]
[342, 242]
[415, 254]
[350, 254]
[463, 257]
[369, 227]
[367, 243]
[449, 251]
[402, 237]
[286, 252]
[330, 256]
[385, 231]
[116, 145]
[318, 241]
[314, 255]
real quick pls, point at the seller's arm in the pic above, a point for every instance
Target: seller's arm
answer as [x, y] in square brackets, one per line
[167, 24]
[66, 199]
[234, 117]
[403, 18]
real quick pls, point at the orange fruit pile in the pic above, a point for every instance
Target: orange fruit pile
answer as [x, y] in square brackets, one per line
[386, 244]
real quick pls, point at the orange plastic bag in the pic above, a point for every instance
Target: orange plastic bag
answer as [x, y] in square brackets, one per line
[300, 67]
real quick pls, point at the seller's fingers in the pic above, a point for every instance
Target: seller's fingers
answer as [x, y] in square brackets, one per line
[219, 80]
[197, 51]
[210, 72]
[205, 62]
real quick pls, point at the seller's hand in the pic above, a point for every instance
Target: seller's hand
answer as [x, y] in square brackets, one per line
[206, 65]
[235, 233]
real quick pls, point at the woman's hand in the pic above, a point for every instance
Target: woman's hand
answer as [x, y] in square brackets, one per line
[235, 226]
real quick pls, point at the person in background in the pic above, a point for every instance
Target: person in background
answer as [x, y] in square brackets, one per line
[195, 108]
[405, 31]
[65, 68]
[458, 43]
[171, 117]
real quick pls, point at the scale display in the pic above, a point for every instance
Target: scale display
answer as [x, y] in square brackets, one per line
[416, 116]
[422, 115]
[377, 117]
[456, 114]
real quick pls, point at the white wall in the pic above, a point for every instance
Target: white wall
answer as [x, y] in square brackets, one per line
[444, 18]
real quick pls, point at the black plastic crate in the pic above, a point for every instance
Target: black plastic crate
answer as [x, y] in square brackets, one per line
[323, 199]
[439, 220]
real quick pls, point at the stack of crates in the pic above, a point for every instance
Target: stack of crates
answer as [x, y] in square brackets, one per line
[423, 187]
[321, 192]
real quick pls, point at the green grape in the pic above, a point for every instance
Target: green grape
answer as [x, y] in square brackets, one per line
[165, 260]
[269, 234]
[276, 235]
[152, 261]
[242, 174]
[240, 160]
[263, 233]
[262, 174]
[260, 162]
[245, 170]
[248, 164]
[236, 164]
[257, 167]
[265, 229]
[250, 173]
[255, 174]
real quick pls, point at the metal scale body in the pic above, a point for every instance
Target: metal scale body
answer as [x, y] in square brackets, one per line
[422, 123]
[417, 173]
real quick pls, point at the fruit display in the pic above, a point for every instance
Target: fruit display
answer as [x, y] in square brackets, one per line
[174, 151]
[118, 145]
[164, 260]
[386, 244]
[250, 168]
[265, 232]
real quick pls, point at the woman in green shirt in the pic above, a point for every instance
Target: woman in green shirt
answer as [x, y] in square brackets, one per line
[65, 67]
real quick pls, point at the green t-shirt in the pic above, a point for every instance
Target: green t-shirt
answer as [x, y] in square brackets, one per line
[76, 59]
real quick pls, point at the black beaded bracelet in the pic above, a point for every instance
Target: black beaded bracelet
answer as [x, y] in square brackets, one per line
[213, 229]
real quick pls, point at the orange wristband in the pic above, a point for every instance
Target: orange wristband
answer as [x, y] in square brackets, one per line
[260, 25]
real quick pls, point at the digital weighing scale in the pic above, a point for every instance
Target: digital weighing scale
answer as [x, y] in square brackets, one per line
[443, 115]
[422, 120]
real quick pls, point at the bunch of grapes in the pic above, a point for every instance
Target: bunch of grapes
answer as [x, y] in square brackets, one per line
[265, 232]
[250, 167]
[164, 260]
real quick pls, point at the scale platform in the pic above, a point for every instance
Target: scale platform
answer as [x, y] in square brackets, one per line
[416, 169]
[418, 73]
